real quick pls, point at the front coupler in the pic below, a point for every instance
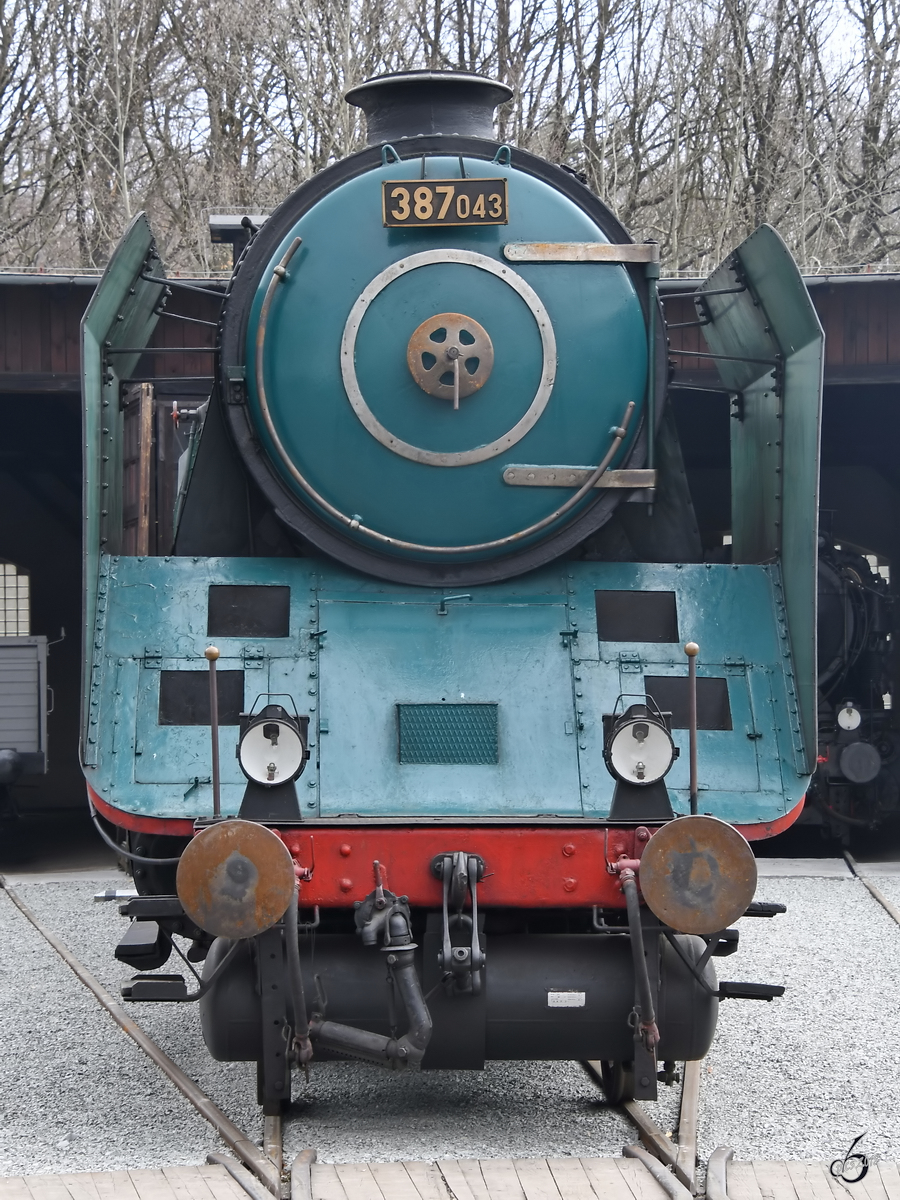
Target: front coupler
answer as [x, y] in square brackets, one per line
[382, 913]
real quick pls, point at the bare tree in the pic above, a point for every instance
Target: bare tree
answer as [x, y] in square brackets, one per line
[694, 122]
[29, 158]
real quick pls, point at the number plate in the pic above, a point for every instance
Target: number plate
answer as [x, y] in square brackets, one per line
[444, 202]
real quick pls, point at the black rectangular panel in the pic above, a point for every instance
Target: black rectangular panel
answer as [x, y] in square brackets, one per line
[670, 693]
[239, 610]
[636, 617]
[184, 697]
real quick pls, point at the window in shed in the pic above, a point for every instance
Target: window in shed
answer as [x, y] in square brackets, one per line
[15, 616]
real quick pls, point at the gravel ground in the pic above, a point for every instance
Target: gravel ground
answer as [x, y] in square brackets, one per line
[807, 1065]
[76, 1094]
[350, 1112]
[803, 1076]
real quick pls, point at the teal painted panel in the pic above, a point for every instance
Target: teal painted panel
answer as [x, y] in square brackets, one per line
[182, 753]
[601, 360]
[156, 609]
[120, 313]
[774, 773]
[377, 655]
[357, 648]
[733, 613]
[775, 436]
[729, 761]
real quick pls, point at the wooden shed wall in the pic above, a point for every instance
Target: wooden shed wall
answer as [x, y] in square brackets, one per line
[40, 335]
[40, 332]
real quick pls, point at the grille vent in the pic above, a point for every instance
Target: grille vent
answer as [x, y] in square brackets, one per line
[448, 733]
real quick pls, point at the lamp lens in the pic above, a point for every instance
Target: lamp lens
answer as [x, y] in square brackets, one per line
[271, 752]
[641, 752]
[849, 717]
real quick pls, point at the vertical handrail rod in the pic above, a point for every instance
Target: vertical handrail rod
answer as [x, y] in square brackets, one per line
[652, 276]
[212, 653]
[692, 650]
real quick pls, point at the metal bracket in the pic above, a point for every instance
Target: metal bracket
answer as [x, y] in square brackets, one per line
[273, 1070]
[445, 600]
[152, 658]
[462, 965]
[568, 477]
[582, 252]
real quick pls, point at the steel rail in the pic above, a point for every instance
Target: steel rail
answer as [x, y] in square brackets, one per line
[669, 1184]
[301, 1175]
[680, 1157]
[240, 1175]
[261, 1166]
[651, 1135]
[688, 1121]
[273, 1141]
[717, 1173]
[889, 908]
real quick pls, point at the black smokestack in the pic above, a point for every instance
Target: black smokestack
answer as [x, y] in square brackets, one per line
[410, 103]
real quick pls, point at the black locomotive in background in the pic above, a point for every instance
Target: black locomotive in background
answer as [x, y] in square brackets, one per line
[856, 786]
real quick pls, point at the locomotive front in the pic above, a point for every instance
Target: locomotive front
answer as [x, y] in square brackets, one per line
[437, 528]
[396, 331]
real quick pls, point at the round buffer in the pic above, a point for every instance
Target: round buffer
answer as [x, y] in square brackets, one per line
[235, 879]
[698, 874]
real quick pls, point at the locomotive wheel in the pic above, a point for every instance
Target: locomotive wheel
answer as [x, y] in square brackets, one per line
[618, 1081]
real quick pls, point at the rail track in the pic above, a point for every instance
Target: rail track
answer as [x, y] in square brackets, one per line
[263, 1173]
[876, 893]
[265, 1166]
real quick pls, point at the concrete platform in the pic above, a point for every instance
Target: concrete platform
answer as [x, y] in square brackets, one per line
[804, 868]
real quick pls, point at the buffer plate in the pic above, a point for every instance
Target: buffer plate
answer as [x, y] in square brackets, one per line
[698, 874]
[235, 879]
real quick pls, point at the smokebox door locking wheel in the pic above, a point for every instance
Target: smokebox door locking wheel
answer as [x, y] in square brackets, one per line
[455, 365]
[450, 356]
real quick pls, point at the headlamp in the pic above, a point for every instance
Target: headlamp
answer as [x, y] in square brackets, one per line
[849, 717]
[272, 748]
[639, 748]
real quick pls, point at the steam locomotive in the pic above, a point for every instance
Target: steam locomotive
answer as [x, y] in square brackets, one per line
[856, 785]
[402, 734]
